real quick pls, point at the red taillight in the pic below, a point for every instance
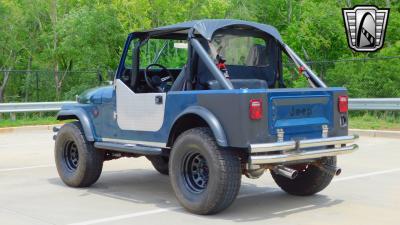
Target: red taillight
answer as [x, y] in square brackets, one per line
[255, 111]
[343, 103]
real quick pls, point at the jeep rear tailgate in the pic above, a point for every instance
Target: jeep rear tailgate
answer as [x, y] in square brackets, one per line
[299, 113]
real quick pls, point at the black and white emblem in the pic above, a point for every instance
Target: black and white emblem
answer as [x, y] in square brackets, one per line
[365, 27]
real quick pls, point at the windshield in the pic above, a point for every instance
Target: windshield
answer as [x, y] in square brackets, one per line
[164, 52]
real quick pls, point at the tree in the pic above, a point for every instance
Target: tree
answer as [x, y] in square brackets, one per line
[11, 44]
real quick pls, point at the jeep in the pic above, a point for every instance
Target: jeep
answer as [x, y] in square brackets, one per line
[206, 102]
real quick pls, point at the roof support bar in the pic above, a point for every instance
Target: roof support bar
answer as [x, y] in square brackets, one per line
[225, 83]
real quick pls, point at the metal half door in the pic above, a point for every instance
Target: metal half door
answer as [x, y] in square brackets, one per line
[139, 111]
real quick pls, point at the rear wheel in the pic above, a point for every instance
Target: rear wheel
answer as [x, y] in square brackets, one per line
[160, 163]
[78, 163]
[205, 177]
[310, 179]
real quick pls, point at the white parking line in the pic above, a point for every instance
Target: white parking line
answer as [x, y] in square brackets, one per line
[126, 216]
[366, 175]
[25, 168]
[156, 211]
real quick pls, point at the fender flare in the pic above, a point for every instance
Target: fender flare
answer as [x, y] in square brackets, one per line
[210, 119]
[83, 118]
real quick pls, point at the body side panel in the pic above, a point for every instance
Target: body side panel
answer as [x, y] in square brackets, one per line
[229, 107]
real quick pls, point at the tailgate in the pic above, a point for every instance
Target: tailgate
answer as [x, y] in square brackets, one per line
[300, 114]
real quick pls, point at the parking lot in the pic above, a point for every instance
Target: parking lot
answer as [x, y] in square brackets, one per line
[130, 191]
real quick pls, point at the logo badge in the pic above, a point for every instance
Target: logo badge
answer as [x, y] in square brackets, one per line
[365, 27]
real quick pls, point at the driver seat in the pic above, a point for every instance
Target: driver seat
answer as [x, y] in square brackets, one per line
[180, 83]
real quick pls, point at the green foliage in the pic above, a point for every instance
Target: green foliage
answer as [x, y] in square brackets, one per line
[80, 35]
[375, 120]
[29, 120]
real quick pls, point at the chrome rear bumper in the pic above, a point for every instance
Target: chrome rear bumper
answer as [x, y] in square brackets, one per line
[281, 152]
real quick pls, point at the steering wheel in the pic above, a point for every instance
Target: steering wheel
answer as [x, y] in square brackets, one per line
[157, 82]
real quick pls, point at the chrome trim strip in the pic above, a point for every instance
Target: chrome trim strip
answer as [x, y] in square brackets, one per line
[300, 155]
[147, 143]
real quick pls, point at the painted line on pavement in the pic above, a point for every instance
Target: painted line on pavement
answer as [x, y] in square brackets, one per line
[366, 175]
[156, 211]
[126, 216]
[25, 168]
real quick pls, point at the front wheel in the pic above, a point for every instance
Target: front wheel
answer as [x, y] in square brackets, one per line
[205, 177]
[310, 179]
[78, 163]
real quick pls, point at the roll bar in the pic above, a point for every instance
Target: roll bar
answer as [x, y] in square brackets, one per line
[225, 83]
[315, 80]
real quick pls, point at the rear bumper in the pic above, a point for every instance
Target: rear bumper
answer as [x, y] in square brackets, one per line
[281, 152]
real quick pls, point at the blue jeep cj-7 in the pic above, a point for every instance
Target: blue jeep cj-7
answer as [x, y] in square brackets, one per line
[226, 112]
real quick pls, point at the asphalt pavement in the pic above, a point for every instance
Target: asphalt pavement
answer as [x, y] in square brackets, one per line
[130, 191]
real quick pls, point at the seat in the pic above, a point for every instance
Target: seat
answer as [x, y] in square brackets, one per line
[257, 56]
[179, 81]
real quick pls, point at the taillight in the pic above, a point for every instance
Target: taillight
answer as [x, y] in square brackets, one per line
[255, 110]
[343, 102]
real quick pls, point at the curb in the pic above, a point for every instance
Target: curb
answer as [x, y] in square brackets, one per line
[376, 133]
[28, 128]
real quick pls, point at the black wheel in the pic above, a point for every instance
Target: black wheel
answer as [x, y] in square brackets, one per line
[78, 163]
[160, 163]
[205, 177]
[309, 180]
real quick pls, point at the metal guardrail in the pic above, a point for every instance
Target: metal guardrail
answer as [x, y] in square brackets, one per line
[31, 107]
[390, 104]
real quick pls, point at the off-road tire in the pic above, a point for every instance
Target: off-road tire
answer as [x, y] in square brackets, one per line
[308, 181]
[160, 163]
[78, 163]
[222, 168]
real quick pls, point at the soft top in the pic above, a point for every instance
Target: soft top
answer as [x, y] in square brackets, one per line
[207, 28]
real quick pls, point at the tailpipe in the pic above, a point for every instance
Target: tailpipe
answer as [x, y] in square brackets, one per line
[333, 170]
[285, 171]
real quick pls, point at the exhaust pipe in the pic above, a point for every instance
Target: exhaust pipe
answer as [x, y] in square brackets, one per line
[285, 171]
[333, 170]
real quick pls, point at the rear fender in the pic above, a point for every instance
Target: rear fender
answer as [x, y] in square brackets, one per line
[211, 120]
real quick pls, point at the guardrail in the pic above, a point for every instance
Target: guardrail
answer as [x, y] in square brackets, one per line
[388, 104]
[354, 104]
[31, 107]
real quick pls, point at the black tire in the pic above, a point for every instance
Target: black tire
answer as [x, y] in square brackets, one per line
[160, 163]
[205, 178]
[78, 163]
[309, 180]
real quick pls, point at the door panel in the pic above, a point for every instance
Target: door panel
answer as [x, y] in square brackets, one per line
[141, 112]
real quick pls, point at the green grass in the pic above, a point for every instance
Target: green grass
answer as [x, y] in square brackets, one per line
[28, 122]
[373, 122]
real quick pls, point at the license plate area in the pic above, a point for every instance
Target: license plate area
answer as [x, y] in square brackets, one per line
[300, 117]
